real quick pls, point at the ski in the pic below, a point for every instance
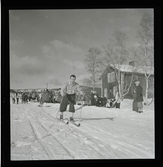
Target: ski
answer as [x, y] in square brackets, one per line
[67, 121]
[63, 120]
[75, 123]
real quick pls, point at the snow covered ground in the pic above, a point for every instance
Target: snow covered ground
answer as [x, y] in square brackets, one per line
[104, 133]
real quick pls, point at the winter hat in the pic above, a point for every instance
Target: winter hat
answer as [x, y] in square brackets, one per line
[95, 96]
[137, 81]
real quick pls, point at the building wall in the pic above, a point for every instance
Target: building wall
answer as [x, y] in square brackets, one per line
[127, 79]
[107, 88]
[142, 83]
[140, 77]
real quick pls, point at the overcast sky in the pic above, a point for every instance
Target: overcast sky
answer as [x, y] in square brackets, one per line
[45, 44]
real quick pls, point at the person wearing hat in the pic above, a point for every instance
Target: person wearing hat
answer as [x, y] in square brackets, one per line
[138, 97]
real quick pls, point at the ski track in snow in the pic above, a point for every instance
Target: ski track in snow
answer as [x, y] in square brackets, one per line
[104, 133]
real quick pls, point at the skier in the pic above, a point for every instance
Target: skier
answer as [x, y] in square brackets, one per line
[68, 92]
[138, 98]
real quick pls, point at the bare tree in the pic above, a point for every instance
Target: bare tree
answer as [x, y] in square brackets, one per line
[128, 83]
[87, 82]
[116, 55]
[144, 52]
[92, 61]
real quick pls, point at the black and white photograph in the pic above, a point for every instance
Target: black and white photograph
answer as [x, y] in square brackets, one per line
[82, 84]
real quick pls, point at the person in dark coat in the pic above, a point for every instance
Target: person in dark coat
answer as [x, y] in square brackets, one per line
[138, 98]
[93, 100]
[104, 101]
[98, 101]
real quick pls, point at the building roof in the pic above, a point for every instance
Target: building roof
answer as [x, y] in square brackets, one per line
[129, 69]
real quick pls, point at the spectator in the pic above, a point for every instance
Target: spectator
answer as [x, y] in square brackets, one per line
[138, 98]
[112, 102]
[92, 98]
[108, 103]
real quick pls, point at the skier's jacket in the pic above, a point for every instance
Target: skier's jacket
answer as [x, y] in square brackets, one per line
[71, 88]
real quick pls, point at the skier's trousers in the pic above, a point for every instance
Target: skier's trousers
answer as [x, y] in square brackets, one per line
[67, 99]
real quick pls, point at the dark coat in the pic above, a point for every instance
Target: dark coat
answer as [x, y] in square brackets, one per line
[101, 101]
[138, 94]
[134, 106]
[93, 100]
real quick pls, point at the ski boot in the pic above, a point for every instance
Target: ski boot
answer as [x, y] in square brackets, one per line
[71, 119]
[61, 116]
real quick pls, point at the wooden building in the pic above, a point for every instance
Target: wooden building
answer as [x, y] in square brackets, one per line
[88, 90]
[109, 84]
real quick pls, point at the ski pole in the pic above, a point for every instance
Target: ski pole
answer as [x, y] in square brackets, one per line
[81, 111]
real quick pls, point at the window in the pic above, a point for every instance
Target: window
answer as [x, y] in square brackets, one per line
[111, 77]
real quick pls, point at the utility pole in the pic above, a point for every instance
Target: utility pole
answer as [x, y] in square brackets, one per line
[46, 85]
